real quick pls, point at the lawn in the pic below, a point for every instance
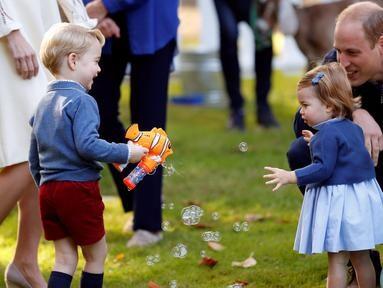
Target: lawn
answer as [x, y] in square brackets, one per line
[213, 173]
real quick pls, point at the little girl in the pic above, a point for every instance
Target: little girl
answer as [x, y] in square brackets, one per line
[342, 207]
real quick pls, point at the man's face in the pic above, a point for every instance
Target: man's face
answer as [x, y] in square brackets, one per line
[354, 52]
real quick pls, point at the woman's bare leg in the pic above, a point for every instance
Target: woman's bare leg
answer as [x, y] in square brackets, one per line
[16, 184]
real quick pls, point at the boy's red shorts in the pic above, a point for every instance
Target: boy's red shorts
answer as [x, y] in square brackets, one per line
[72, 209]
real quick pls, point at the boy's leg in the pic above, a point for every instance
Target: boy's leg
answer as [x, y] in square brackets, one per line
[337, 276]
[365, 273]
[66, 258]
[94, 255]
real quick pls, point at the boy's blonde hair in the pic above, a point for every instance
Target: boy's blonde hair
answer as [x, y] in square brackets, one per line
[63, 39]
[332, 88]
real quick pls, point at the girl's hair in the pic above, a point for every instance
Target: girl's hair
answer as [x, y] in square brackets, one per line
[63, 39]
[332, 88]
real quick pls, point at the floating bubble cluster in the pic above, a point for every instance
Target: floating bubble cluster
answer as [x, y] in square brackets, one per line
[169, 169]
[243, 147]
[244, 226]
[166, 226]
[152, 259]
[191, 215]
[211, 236]
[180, 251]
[171, 206]
[202, 253]
[173, 284]
[235, 286]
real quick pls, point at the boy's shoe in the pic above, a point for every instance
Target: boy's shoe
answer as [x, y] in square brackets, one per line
[142, 238]
[236, 120]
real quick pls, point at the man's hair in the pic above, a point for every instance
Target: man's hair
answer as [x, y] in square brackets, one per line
[332, 88]
[63, 39]
[369, 14]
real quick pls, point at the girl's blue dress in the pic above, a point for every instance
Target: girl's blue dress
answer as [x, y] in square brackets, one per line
[339, 217]
[344, 217]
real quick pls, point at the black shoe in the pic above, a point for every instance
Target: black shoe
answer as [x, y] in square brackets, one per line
[236, 120]
[267, 120]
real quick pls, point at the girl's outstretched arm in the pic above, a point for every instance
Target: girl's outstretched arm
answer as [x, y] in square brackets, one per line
[280, 177]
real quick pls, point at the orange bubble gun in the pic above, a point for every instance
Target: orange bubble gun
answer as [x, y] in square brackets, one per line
[159, 146]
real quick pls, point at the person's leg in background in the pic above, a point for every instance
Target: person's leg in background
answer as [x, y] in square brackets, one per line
[16, 183]
[149, 94]
[263, 72]
[106, 91]
[228, 52]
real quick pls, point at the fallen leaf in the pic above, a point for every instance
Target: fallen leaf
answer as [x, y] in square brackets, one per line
[256, 217]
[201, 226]
[152, 284]
[241, 282]
[192, 202]
[249, 262]
[215, 246]
[238, 284]
[119, 257]
[207, 261]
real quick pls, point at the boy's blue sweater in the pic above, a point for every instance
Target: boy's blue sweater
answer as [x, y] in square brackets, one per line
[338, 156]
[65, 143]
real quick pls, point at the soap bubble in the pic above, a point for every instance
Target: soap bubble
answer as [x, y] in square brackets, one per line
[215, 216]
[237, 226]
[179, 251]
[243, 147]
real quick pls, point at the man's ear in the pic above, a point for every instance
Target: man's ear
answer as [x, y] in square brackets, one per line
[71, 60]
[380, 44]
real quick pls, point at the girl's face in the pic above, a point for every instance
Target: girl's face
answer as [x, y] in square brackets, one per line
[313, 111]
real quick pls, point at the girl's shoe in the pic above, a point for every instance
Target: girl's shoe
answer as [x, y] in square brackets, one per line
[14, 279]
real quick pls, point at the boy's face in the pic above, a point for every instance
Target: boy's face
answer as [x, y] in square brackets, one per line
[87, 65]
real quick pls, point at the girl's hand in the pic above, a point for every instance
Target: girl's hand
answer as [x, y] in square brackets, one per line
[280, 177]
[23, 54]
[307, 135]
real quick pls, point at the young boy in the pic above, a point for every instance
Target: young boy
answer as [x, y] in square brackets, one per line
[64, 154]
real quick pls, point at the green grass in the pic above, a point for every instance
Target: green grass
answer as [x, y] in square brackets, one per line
[212, 172]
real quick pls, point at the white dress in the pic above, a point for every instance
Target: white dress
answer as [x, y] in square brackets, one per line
[18, 97]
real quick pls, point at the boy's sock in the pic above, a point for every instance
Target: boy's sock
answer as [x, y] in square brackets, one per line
[59, 280]
[90, 280]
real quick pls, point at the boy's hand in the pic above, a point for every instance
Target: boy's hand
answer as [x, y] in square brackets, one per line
[307, 135]
[136, 152]
[280, 177]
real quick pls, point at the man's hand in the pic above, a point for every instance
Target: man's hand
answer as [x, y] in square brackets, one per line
[109, 28]
[280, 177]
[373, 137]
[23, 55]
[96, 9]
